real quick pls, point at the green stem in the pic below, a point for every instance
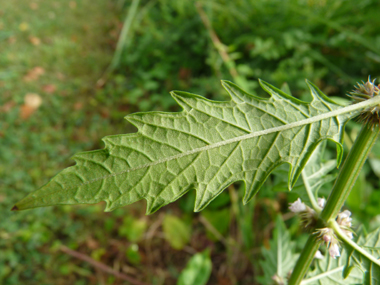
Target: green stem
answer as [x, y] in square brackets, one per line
[341, 189]
[304, 261]
[349, 172]
[309, 192]
[334, 225]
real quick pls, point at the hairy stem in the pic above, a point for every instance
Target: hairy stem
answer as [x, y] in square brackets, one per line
[341, 189]
[334, 225]
[349, 172]
[304, 261]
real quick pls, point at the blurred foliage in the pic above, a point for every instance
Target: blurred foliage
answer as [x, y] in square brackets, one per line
[280, 259]
[197, 270]
[52, 54]
[279, 41]
[177, 231]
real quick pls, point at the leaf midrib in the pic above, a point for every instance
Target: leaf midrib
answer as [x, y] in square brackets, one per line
[351, 108]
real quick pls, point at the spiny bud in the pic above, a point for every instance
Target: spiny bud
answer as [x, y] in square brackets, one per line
[318, 255]
[344, 220]
[330, 239]
[278, 280]
[365, 91]
[321, 202]
[334, 250]
[298, 206]
[308, 216]
[326, 234]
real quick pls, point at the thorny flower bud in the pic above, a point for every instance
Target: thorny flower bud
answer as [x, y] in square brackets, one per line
[278, 280]
[308, 216]
[344, 219]
[321, 202]
[365, 91]
[327, 235]
[334, 250]
[330, 239]
[349, 234]
[318, 255]
[327, 239]
[298, 206]
[309, 219]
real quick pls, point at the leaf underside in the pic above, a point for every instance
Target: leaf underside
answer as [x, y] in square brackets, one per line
[329, 271]
[315, 174]
[371, 243]
[207, 146]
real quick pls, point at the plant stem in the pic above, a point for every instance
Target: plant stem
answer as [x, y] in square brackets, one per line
[339, 193]
[304, 261]
[334, 225]
[313, 202]
[349, 172]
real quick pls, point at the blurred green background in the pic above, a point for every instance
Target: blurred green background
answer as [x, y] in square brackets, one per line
[67, 79]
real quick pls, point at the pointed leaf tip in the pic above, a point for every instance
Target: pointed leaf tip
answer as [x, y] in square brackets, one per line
[207, 145]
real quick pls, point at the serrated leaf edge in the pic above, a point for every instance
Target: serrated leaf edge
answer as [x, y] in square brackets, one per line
[316, 93]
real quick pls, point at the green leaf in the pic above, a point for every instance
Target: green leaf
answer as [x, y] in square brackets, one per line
[197, 271]
[219, 219]
[329, 271]
[133, 229]
[207, 147]
[371, 243]
[280, 258]
[133, 255]
[315, 174]
[177, 232]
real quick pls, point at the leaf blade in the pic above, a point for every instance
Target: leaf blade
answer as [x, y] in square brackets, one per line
[207, 147]
[280, 258]
[197, 270]
[371, 243]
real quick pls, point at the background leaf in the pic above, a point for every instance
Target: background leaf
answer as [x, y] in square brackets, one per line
[219, 219]
[197, 271]
[177, 231]
[371, 243]
[329, 271]
[280, 258]
[133, 229]
[316, 174]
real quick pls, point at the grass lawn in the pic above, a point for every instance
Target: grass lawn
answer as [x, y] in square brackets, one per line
[51, 55]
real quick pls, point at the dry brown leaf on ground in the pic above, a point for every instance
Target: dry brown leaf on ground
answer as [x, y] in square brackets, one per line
[33, 6]
[72, 4]
[23, 27]
[34, 40]
[34, 74]
[32, 102]
[7, 107]
[78, 106]
[49, 88]
[12, 40]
